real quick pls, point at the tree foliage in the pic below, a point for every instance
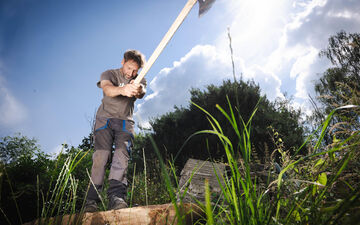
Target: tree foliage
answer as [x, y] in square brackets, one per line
[27, 177]
[340, 84]
[171, 130]
[24, 167]
[15, 148]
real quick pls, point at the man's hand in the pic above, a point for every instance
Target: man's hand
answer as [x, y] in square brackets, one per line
[139, 88]
[129, 90]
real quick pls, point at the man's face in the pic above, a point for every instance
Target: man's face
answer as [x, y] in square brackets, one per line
[130, 68]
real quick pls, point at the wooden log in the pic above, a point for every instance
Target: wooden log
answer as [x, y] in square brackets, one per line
[142, 215]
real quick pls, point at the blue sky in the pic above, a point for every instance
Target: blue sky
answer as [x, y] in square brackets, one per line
[53, 52]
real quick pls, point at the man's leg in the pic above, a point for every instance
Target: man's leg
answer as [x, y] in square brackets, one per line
[119, 165]
[103, 139]
[100, 159]
[117, 179]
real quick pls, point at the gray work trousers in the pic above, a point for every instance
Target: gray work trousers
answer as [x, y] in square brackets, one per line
[108, 133]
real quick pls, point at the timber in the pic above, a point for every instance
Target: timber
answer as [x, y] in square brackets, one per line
[142, 215]
[193, 176]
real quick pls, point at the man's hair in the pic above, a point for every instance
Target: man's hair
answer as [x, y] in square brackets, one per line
[135, 55]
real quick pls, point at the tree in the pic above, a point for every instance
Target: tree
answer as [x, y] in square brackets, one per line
[27, 171]
[344, 52]
[172, 129]
[14, 148]
[23, 163]
[340, 84]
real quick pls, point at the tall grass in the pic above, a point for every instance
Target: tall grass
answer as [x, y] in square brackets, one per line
[300, 198]
[61, 198]
[246, 203]
[242, 201]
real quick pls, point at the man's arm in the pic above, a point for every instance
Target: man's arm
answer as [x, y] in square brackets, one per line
[128, 90]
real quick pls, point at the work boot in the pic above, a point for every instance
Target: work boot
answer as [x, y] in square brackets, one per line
[90, 206]
[116, 203]
[92, 198]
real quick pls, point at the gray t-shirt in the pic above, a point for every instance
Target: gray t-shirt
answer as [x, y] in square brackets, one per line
[120, 107]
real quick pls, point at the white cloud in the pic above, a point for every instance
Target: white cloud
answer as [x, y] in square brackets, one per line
[321, 19]
[287, 43]
[300, 71]
[57, 149]
[203, 65]
[275, 43]
[12, 112]
[316, 23]
[269, 83]
[54, 152]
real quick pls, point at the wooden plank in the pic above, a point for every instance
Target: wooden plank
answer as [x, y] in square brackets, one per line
[201, 170]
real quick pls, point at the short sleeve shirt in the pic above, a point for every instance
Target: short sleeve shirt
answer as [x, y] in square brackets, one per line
[120, 107]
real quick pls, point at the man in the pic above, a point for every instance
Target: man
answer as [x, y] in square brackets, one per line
[114, 126]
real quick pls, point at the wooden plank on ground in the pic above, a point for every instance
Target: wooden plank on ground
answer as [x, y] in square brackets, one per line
[201, 170]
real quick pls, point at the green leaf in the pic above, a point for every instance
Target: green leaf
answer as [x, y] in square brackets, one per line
[322, 179]
[296, 215]
[335, 140]
[319, 162]
[209, 214]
